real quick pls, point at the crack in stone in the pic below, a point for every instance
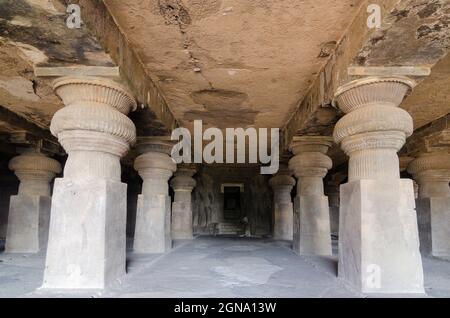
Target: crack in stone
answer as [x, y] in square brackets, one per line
[175, 13]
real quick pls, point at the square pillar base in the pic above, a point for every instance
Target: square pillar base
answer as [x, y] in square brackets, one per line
[378, 237]
[28, 223]
[283, 221]
[312, 225]
[87, 240]
[153, 223]
[433, 215]
[182, 221]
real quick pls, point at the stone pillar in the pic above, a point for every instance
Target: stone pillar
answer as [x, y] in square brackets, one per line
[87, 239]
[311, 212]
[153, 219]
[332, 192]
[378, 236]
[404, 163]
[432, 172]
[182, 184]
[283, 214]
[29, 210]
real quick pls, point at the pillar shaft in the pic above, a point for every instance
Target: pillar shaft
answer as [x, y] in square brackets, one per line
[87, 249]
[153, 216]
[378, 239]
[29, 211]
[310, 186]
[332, 191]
[95, 165]
[182, 195]
[155, 179]
[183, 184]
[282, 193]
[283, 214]
[35, 186]
[432, 173]
[311, 212]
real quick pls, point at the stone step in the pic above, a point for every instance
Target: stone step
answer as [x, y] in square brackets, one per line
[230, 228]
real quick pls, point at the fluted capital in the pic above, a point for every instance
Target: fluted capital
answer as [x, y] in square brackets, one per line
[183, 183]
[389, 91]
[391, 140]
[161, 144]
[371, 107]
[187, 170]
[154, 161]
[35, 171]
[97, 106]
[310, 158]
[94, 90]
[434, 166]
[281, 181]
[367, 120]
[374, 128]
[311, 164]
[34, 165]
[301, 144]
[183, 180]
[154, 164]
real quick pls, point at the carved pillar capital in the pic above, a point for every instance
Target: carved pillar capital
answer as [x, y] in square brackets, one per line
[432, 173]
[310, 163]
[374, 127]
[89, 203]
[183, 180]
[35, 171]
[282, 186]
[94, 116]
[310, 159]
[93, 127]
[154, 165]
[281, 181]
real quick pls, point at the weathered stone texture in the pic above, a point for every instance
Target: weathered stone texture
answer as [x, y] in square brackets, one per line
[86, 247]
[378, 237]
[312, 225]
[182, 184]
[283, 214]
[153, 224]
[28, 224]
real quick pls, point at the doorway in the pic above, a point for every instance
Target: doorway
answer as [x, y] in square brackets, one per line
[232, 203]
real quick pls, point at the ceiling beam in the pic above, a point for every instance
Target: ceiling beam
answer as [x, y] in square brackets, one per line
[389, 71]
[78, 70]
[432, 137]
[22, 132]
[20, 123]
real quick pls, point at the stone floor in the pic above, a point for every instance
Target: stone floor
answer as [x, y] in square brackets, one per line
[214, 267]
